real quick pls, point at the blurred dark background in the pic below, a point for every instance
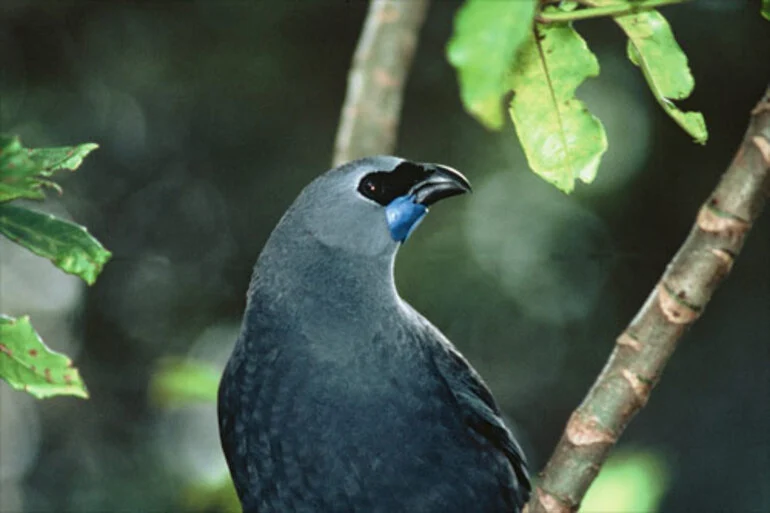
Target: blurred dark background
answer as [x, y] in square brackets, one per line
[211, 116]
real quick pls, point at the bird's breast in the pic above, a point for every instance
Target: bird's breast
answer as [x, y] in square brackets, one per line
[327, 422]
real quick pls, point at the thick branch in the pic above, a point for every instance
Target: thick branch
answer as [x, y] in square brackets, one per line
[372, 107]
[642, 350]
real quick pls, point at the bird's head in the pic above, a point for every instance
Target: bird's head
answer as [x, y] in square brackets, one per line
[371, 205]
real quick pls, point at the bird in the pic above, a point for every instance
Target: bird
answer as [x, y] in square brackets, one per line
[338, 396]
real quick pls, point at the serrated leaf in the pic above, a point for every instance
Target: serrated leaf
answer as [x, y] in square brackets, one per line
[562, 140]
[67, 157]
[653, 48]
[765, 9]
[484, 42]
[26, 363]
[69, 246]
[179, 382]
[23, 171]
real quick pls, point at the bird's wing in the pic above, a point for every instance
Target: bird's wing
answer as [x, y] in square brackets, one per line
[480, 412]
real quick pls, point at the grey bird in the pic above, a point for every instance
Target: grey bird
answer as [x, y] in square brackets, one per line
[339, 397]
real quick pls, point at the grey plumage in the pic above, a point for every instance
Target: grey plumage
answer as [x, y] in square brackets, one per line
[338, 396]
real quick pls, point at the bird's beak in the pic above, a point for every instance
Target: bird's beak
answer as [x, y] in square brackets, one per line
[442, 182]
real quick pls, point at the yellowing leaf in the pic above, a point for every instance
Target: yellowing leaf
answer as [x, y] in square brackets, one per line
[562, 140]
[485, 39]
[26, 363]
[69, 246]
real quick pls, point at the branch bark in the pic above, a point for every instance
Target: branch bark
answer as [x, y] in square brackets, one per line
[372, 107]
[679, 298]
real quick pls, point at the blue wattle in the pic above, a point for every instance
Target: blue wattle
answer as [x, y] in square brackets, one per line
[403, 216]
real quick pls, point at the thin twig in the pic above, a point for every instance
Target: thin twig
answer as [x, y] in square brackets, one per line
[372, 108]
[607, 10]
[642, 350]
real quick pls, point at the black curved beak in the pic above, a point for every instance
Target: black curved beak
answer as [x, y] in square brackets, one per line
[442, 182]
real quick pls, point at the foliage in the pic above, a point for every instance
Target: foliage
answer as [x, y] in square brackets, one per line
[26, 363]
[486, 37]
[562, 140]
[629, 481]
[218, 496]
[69, 246]
[23, 171]
[652, 47]
[546, 61]
[184, 382]
[178, 382]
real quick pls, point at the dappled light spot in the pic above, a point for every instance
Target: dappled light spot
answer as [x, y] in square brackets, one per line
[546, 252]
[629, 481]
[187, 437]
[627, 119]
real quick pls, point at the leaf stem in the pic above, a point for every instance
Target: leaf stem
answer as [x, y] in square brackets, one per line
[607, 10]
[552, 92]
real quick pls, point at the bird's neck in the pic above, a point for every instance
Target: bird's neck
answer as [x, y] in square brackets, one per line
[309, 274]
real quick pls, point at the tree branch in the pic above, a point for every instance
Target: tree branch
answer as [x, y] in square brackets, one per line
[607, 10]
[642, 350]
[372, 107]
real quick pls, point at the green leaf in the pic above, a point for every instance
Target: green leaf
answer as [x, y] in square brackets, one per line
[26, 363]
[483, 45]
[22, 170]
[67, 157]
[27, 188]
[562, 140]
[653, 48]
[179, 382]
[69, 246]
[17, 171]
[629, 481]
[765, 10]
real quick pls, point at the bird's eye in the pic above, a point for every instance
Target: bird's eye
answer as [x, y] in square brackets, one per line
[385, 186]
[371, 186]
